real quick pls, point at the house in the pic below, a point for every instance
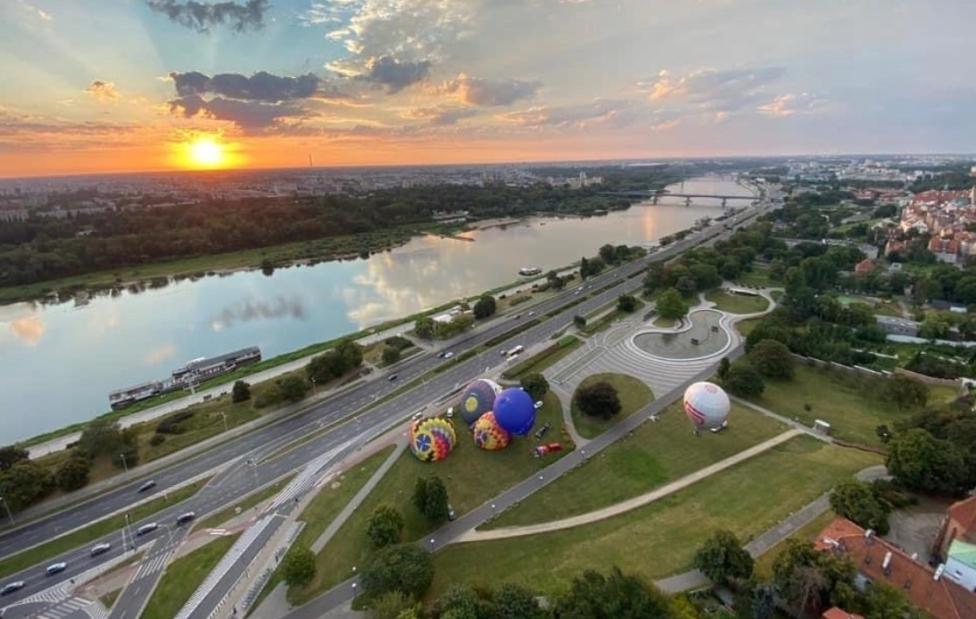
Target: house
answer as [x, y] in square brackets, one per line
[960, 564]
[877, 560]
[864, 266]
[839, 613]
[959, 523]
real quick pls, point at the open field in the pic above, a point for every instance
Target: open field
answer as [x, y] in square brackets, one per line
[183, 576]
[471, 475]
[840, 398]
[94, 531]
[634, 395]
[737, 303]
[660, 539]
[655, 454]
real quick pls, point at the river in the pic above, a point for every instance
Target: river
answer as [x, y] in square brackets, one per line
[59, 362]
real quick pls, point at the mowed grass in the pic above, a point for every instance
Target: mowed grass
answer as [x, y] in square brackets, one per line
[98, 529]
[183, 576]
[660, 539]
[737, 303]
[472, 476]
[745, 327]
[848, 401]
[655, 454]
[633, 394]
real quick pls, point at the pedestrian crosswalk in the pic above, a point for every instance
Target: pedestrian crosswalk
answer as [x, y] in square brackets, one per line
[74, 608]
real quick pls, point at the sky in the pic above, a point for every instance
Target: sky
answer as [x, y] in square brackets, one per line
[126, 85]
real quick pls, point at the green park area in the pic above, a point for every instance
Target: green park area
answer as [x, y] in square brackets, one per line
[737, 303]
[100, 528]
[849, 401]
[471, 476]
[654, 454]
[184, 575]
[633, 394]
[661, 538]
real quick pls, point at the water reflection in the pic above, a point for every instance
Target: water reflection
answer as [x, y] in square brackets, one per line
[246, 311]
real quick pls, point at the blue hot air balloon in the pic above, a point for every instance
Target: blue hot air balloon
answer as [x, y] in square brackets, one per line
[515, 411]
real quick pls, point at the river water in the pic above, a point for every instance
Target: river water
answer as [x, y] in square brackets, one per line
[59, 362]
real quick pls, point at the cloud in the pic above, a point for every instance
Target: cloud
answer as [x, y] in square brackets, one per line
[248, 115]
[37, 12]
[249, 311]
[29, 329]
[490, 93]
[440, 114]
[104, 92]
[598, 110]
[202, 16]
[394, 74]
[789, 104]
[712, 90]
[262, 86]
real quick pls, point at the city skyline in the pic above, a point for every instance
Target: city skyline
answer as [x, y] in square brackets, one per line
[164, 84]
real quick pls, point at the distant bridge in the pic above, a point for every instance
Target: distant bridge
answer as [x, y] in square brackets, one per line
[655, 196]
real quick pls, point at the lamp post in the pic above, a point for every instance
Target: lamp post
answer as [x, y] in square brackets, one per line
[124, 465]
[223, 415]
[7, 507]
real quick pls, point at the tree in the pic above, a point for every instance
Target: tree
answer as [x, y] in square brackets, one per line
[73, 473]
[516, 602]
[904, 392]
[598, 400]
[922, 462]
[744, 381]
[241, 391]
[555, 281]
[293, 388]
[617, 596]
[435, 504]
[723, 559]
[535, 385]
[24, 484]
[298, 567]
[11, 455]
[626, 303]
[579, 321]
[404, 567]
[670, 305]
[723, 368]
[101, 437]
[424, 327]
[772, 358]
[391, 605]
[856, 501]
[608, 253]
[385, 526]
[390, 355]
[420, 494]
[485, 307]
[804, 577]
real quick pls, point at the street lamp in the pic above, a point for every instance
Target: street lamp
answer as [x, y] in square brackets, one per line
[124, 465]
[224, 416]
[9, 513]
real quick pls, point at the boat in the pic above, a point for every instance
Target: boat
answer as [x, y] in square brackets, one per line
[530, 271]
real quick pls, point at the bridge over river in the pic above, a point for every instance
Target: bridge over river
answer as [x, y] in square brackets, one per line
[654, 196]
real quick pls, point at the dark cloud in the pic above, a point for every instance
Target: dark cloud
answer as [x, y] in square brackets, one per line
[262, 86]
[248, 115]
[490, 93]
[201, 16]
[396, 75]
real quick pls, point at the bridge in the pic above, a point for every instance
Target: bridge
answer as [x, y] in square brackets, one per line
[656, 195]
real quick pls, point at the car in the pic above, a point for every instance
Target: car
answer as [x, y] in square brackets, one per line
[10, 587]
[56, 568]
[99, 549]
[503, 352]
[147, 528]
[448, 355]
[532, 313]
[542, 431]
[185, 518]
[538, 404]
[417, 417]
[450, 412]
[149, 485]
[392, 377]
[450, 513]
[517, 316]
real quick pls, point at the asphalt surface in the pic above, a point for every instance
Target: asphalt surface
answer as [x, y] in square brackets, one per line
[242, 478]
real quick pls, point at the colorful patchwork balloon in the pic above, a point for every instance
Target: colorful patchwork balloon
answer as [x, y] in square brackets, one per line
[432, 439]
[489, 435]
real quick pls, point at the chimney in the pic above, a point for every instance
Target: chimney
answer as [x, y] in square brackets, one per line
[886, 564]
[869, 536]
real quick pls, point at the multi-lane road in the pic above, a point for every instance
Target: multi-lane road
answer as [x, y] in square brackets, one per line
[355, 406]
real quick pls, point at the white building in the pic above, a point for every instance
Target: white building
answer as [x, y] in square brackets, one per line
[960, 564]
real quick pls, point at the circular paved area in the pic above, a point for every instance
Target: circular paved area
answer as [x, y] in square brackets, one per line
[703, 336]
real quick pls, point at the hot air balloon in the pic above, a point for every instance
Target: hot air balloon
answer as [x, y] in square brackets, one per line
[706, 405]
[432, 439]
[477, 399]
[489, 435]
[515, 411]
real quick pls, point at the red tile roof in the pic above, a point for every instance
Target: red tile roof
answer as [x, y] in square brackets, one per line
[943, 599]
[963, 513]
[839, 613]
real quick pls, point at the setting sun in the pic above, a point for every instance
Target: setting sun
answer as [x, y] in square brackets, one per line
[206, 153]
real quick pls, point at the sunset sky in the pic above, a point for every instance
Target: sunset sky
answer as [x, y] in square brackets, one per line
[128, 85]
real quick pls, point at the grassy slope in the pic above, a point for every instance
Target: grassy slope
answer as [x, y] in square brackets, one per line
[183, 576]
[660, 539]
[737, 303]
[655, 454]
[634, 395]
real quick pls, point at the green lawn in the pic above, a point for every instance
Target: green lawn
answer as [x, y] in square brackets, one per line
[109, 598]
[471, 475]
[634, 395]
[548, 357]
[655, 454]
[745, 327]
[758, 277]
[846, 400]
[808, 532]
[219, 518]
[183, 576]
[660, 539]
[664, 323]
[93, 531]
[737, 303]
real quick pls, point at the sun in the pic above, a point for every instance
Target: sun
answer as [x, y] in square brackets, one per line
[206, 152]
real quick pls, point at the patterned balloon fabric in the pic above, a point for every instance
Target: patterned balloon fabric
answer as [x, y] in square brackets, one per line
[432, 439]
[489, 435]
[477, 399]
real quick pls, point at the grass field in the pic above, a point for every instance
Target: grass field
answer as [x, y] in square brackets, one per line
[758, 277]
[634, 395]
[737, 303]
[841, 398]
[745, 327]
[93, 531]
[183, 576]
[471, 475]
[660, 539]
[655, 454]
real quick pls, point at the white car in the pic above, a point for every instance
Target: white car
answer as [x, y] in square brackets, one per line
[10, 587]
[56, 568]
[147, 528]
[448, 355]
[99, 549]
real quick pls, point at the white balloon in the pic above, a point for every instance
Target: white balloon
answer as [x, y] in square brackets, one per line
[706, 405]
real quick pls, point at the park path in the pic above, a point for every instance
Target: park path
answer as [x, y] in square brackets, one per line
[616, 509]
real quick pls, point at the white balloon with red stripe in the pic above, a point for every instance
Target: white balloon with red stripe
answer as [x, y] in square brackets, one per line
[706, 405]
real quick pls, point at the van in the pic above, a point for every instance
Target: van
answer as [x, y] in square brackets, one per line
[99, 549]
[147, 528]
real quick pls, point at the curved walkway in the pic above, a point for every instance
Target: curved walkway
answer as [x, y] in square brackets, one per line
[631, 503]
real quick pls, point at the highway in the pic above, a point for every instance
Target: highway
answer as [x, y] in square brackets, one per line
[241, 478]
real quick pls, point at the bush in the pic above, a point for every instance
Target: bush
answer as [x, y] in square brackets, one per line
[404, 567]
[390, 355]
[298, 567]
[385, 526]
[598, 400]
[171, 424]
[241, 391]
[157, 440]
[744, 381]
[73, 473]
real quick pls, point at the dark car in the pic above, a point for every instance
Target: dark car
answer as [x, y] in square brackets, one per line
[542, 431]
[10, 587]
[149, 485]
[392, 377]
[99, 549]
[185, 518]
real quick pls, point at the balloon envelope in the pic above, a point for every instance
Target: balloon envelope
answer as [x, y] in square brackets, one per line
[432, 439]
[706, 405]
[489, 435]
[477, 399]
[515, 411]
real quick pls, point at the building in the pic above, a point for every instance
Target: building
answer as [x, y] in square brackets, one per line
[960, 564]
[892, 325]
[839, 613]
[877, 560]
[959, 523]
[864, 266]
